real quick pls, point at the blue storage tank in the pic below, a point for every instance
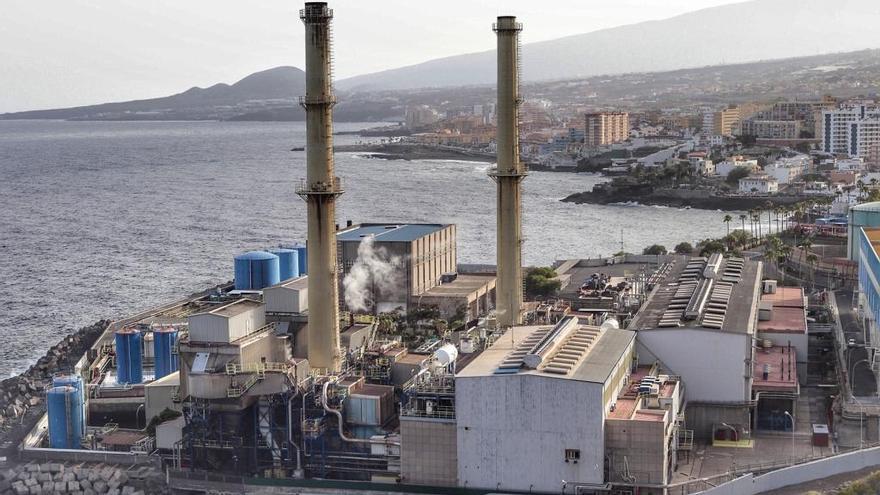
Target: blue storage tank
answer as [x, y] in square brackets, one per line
[164, 340]
[303, 260]
[129, 356]
[256, 270]
[288, 262]
[76, 382]
[65, 418]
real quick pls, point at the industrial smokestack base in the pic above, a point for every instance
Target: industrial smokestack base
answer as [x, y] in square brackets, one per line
[508, 174]
[320, 190]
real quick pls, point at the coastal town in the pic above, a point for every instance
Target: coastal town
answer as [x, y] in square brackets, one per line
[369, 357]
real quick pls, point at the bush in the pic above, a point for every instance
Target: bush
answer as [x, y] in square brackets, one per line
[684, 248]
[736, 174]
[541, 282]
[655, 249]
[711, 247]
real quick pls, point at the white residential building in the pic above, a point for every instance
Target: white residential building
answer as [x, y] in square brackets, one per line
[852, 129]
[849, 164]
[759, 184]
[702, 166]
[788, 170]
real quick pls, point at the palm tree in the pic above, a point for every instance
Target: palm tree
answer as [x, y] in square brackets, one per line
[756, 220]
[769, 206]
[727, 220]
[812, 259]
[742, 218]
[806, 246]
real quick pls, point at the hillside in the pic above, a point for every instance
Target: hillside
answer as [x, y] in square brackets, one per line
[743, 32]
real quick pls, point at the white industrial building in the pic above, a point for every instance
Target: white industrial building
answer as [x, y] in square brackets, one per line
[531, 409]
[699, 324]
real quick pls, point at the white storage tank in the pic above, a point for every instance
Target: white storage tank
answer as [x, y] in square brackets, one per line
[446, 355]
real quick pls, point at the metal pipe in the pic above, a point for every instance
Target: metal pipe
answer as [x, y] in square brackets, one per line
[339, 419]
[508, 174]
[320, 190]
[290, 433]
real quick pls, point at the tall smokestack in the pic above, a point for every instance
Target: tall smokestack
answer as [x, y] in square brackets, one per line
[320, 190]
[508, 175]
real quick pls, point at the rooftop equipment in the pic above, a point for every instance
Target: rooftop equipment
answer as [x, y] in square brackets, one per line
[446, 355]
[129, 357]
[65, 418]
[76, 382]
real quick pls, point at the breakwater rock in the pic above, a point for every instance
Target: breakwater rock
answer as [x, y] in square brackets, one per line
[51, 478]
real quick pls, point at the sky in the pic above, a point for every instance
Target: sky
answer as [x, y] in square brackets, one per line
[60, 53]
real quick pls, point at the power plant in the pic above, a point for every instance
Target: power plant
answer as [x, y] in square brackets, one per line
[436, 377]
[508, 174]
[320, 190]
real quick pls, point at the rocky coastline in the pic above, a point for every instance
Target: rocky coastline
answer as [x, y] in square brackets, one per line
[678, 198]
[408, 152]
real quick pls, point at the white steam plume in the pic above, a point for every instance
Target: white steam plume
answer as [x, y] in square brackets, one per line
[374, 272]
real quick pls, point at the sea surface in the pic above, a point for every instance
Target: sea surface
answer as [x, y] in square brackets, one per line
[103, 219]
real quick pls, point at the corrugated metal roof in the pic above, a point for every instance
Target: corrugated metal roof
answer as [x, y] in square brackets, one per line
[390, 232]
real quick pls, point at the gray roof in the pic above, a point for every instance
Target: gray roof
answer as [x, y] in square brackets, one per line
[390, 232]
[606, 353]
[739, 317]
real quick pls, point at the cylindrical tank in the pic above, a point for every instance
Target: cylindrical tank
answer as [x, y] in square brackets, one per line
[863, 215]
[76, 382]
[302, 259]
[129, 356]
[164, 340]
[446, 355]
[288, 262]
[65, 418]
[255, 270]
[148, 347]
[610, 323]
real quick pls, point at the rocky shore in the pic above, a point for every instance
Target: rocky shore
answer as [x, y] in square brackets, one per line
[681, 199]
[51, 478]
[407, 152]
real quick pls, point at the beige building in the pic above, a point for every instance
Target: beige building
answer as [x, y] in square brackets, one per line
[401, 262]
[605, 128]
[725, 121]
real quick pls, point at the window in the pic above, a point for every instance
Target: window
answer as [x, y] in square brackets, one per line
[572, 455]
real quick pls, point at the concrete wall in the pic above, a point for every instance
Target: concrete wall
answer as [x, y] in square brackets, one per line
[702, 417]
[428, 451]
[512, 432]
[802, 473]
[643, 444]
[712, 364]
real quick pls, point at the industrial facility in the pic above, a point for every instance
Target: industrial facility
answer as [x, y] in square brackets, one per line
[338, 360]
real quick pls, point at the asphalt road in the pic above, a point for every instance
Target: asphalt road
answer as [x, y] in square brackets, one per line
[863, 383]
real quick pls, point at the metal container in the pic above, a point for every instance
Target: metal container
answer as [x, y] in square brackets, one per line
[256, 270]
[76, 382]
[65, 418]
[129, 357]
[302, 259]
[446, 355]
[288, 262]
[164, 340]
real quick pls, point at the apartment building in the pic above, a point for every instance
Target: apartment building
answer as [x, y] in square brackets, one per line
[852, 129]
[603, 128]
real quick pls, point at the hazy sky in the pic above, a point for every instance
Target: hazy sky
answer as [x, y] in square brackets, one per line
[56, 53]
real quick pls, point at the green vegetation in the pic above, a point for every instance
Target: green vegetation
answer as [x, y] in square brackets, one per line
[165, 415]
[869, 485]
[684, 248]
[541, 282]
[736, 174]
[710, 246]
[655, 249]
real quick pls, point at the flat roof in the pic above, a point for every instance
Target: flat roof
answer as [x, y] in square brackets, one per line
[785, 320]
[740, 309]
[791, 297]
[390, 232]
[462, 286]
[604, 354]
[234, 308]
[781, 363]
[301, 282]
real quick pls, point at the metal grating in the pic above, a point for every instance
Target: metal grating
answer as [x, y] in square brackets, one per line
[716, 306]
[572, 351]
[514, 361]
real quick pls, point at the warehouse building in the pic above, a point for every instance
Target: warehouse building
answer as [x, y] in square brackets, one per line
[699, 324]
[531, 409]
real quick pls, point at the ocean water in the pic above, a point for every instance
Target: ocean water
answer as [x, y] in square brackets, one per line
[103, 219]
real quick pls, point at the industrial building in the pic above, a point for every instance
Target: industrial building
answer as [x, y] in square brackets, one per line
[708, 306]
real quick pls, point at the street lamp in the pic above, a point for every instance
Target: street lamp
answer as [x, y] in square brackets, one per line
[792, 433]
